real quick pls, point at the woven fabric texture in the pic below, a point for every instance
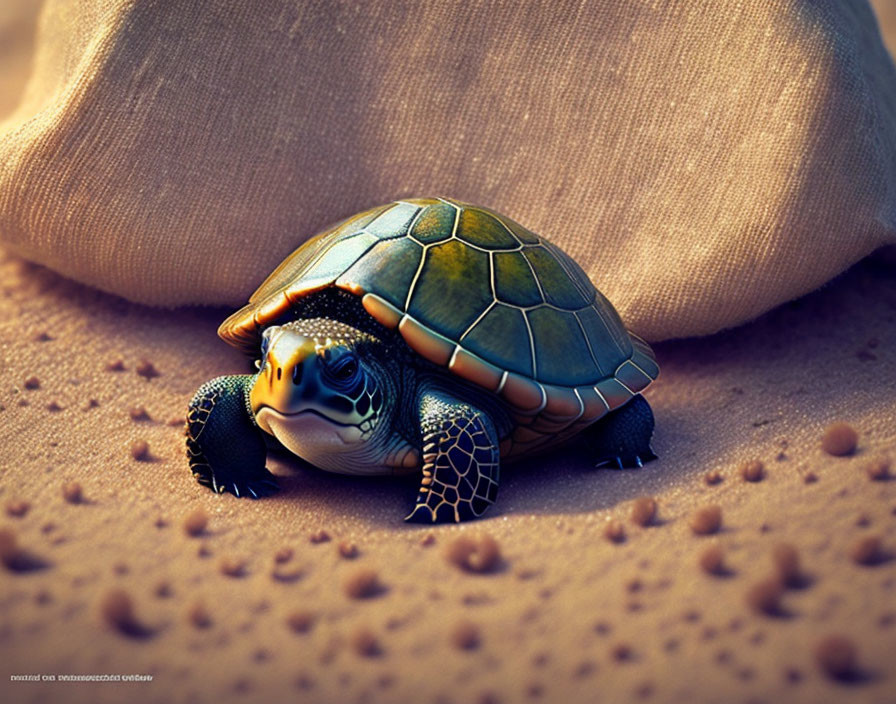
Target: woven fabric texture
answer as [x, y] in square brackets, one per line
[703, 161]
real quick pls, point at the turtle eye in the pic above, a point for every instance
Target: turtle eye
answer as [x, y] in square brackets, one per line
[346, 371]
[343, 369]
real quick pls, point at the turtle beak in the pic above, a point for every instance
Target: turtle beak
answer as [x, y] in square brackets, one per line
[279, 382]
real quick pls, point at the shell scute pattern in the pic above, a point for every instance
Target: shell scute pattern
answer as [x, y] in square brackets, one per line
[515, 280]
[505, 326]
[435, 224]
[453, 288]
[554, 282]
[393, 264]
[476, 292]
[295, 264]
[561, 351]
[395, 222]
[481, 229]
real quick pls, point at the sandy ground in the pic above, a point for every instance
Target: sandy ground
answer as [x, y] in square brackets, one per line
[566, 615]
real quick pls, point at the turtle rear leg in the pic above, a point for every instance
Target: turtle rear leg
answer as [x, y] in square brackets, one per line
[460, 461]
[225, 447]
[622, 438]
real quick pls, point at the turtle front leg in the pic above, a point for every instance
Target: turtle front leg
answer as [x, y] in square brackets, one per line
[622, 437]
[225, 447]
[460, 461]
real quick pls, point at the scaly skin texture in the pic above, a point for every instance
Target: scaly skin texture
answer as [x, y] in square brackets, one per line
[622, 438]
[225, 447]
[460, 461]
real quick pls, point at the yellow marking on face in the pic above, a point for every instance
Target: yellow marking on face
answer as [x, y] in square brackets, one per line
[274, 386]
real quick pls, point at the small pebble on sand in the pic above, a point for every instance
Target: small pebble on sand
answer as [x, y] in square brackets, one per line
[163, 590]
[643, 511]
[713, 476]
[54, 407]
[115, 366]
[786, 559]
[205, 550]
[602, 628]
[283, 555]
[836, 655]
[707, 520]
[139, 414]
[584, 669]
[232, 566]
[17, 508]
[287, 573]
[466, 636]
[839, 439]
[195, 522]
[304, 682]
[300, 621]
[199, 615]
[752, 471]
[712, 560]
[645, 690]
[614, 531]
[765, 596]
[867, 550]
[348, 550]
[42, 337]
[319, 536]
[478, 555]
[10, 553]
[428, 540]
[363, 584]
[810, 477]
[792, 675]
[878, 469]
[140, 451]
[147, 370]
[365, 643]
[117, 609]
[622, 652]
[72, 492]
[32, 383]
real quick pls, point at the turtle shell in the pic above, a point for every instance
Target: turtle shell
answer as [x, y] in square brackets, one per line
[473, 291]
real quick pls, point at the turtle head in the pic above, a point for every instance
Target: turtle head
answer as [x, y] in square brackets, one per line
[319, 389]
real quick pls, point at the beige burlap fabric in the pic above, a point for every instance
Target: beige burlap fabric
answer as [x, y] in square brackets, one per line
[703, 161]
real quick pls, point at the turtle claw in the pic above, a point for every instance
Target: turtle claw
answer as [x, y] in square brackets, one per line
[617, 462]
[614, 462]
[255, 488]
[260, 488]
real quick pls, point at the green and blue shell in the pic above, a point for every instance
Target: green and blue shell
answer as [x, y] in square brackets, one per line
[478, 294]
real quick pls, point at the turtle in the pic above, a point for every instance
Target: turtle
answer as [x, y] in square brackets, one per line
[425, 336]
